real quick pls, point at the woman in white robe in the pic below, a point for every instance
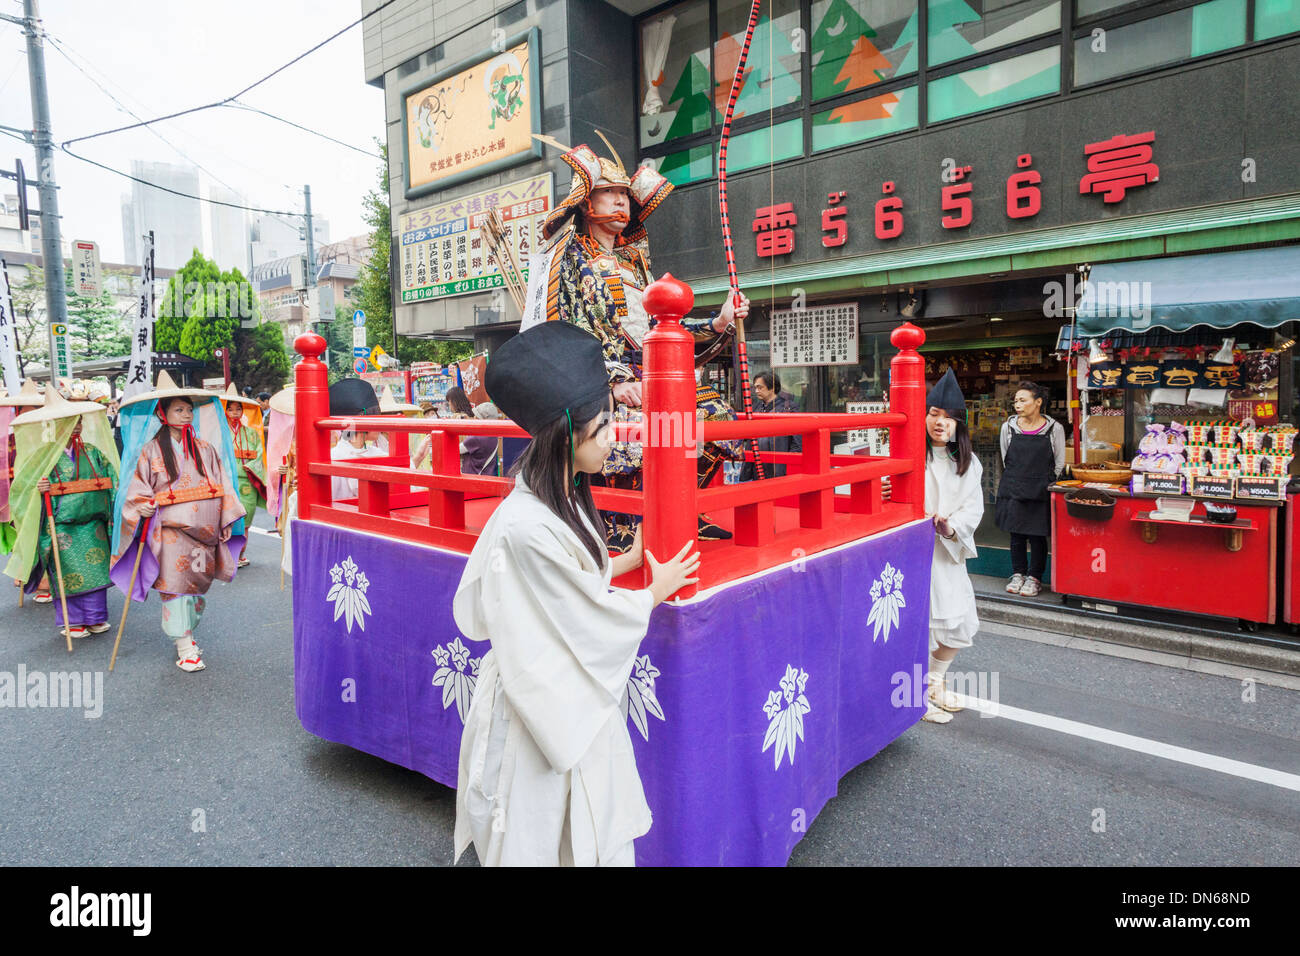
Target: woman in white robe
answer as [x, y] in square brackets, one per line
[954, 501]
[547, 774]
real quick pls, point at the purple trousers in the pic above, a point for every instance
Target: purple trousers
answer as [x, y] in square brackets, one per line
[89, 607]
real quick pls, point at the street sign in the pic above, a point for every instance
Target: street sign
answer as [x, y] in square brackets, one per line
[88, 275]
[359, 366]
[358, 318]
[62, 361]
[358, 336]
[360, 352]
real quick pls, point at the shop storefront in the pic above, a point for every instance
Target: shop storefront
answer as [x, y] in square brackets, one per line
[960, 165]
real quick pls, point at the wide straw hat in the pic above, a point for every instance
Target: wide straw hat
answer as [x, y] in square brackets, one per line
[167, 388]
[56, 407]
[30, 394]
[282, 402]
[231, 394]
[390, 406]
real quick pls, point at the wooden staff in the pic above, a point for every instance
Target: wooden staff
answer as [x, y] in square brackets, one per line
[500, 249]
[58, 570]
[144, 543]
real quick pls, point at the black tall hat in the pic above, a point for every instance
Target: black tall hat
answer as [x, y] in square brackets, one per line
[946, 394]
[353, 396]
[539, 373]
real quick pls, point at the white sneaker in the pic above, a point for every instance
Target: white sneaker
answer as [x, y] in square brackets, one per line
[1016, 582]
[1031, 588]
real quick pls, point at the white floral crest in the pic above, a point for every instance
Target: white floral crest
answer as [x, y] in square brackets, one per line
[640, 697]
[785, 725]
[348, 592]
[886, 601]
[456, 684]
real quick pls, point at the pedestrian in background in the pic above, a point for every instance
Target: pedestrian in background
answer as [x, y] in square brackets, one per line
[767, 389]
[1033, 454]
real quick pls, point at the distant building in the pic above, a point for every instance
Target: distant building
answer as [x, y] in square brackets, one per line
[176, 221]
[275, 237]
[227, 230]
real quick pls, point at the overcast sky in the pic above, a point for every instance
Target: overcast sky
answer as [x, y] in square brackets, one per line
[159, 56]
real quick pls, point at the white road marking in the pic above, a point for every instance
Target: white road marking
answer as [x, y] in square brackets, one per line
[269, 534]
[1155, 748]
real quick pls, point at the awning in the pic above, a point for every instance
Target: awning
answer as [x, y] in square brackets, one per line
[1220, 290]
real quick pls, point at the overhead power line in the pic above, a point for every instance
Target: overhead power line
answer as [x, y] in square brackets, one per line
[232, 98]
[253, 109]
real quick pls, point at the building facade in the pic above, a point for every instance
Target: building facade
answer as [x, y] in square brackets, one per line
[954, 163]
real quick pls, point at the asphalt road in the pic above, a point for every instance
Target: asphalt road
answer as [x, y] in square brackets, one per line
[214, 767]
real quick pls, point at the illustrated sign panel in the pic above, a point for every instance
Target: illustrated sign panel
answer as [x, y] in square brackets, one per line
[474, 119]
[442, 253]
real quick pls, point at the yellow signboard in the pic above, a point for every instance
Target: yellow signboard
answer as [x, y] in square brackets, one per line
[475, 119]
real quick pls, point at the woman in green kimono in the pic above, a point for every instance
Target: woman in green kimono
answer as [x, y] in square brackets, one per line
[66, 452]
[244, 415]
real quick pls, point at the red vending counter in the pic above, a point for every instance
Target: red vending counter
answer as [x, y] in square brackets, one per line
[1290, 561]
[1194, 567]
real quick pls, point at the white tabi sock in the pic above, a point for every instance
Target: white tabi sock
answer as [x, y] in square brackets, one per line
[937, 669]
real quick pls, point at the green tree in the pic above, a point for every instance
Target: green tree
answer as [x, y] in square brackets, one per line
[28, 295]
[373, 293]
[260, 360]
[97, 326]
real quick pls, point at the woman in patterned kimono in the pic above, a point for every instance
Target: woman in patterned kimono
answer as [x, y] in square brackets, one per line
[244, 416]
[66, 452]
[182, 482]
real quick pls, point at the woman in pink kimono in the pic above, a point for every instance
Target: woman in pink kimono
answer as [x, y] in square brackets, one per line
[181, 483]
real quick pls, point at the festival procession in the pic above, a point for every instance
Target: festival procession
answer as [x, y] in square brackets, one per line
[780, 434]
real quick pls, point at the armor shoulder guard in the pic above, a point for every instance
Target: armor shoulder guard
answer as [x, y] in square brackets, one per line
[560, 238]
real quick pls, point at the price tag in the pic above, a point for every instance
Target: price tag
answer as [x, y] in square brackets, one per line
[1209, 487]
[1162, 484]
[1250, 486]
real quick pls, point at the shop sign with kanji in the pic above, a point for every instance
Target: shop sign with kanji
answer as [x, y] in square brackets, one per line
[442, 252]
[1111, 169]
[821, 335]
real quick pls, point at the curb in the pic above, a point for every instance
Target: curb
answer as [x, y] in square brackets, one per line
[1154, 638]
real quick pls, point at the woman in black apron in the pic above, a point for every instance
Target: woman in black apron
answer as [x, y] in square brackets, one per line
[1033, 448]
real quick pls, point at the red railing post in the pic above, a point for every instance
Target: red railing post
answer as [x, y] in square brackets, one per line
[311, 403]
[907, 395]
[670, 431]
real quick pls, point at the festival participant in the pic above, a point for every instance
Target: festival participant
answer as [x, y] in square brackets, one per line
[66, 457]
[597, 268]
[27, 399]
[244, 416]
[547, 775]
[348, 397]
[281, 492]
[954, 502]
[181, 479]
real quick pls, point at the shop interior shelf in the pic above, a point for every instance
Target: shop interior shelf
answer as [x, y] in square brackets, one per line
[1198, 521]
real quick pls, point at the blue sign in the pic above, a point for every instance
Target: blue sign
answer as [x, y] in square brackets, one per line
[360, 351]
[359, 366]
[358, 317]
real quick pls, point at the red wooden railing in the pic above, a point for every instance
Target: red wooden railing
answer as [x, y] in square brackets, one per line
[776, 521]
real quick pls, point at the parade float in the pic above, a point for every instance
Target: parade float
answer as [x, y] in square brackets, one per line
[800, 653]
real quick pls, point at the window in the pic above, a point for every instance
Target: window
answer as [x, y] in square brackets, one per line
[1274, 18]
[865, 119]
[857, 43]
[1181, 35]
[773, 71]
[676, 74]
[688, 165]
[998, 84]
[771, 144]
[960, 29]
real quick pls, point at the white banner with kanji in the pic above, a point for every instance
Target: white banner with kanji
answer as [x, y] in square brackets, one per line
[8, 337]
[139, 375]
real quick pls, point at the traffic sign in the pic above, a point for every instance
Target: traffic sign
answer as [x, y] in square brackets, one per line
[358, 318]
[358, 336]
[359, 366]
[87, 269]
[360, 352]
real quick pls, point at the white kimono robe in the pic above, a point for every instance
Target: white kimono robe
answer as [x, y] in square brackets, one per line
[547, 774]
[960, 499]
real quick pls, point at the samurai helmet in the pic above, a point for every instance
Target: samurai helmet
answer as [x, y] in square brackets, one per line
[646, 188]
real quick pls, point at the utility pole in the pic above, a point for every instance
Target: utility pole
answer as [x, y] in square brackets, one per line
[56, 303]
[311, 249]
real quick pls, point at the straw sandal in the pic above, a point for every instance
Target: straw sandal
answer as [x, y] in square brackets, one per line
[42, 597]
[192, 661]
[98, 628]
[934, 715]
[941, 696]
[75, 631]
